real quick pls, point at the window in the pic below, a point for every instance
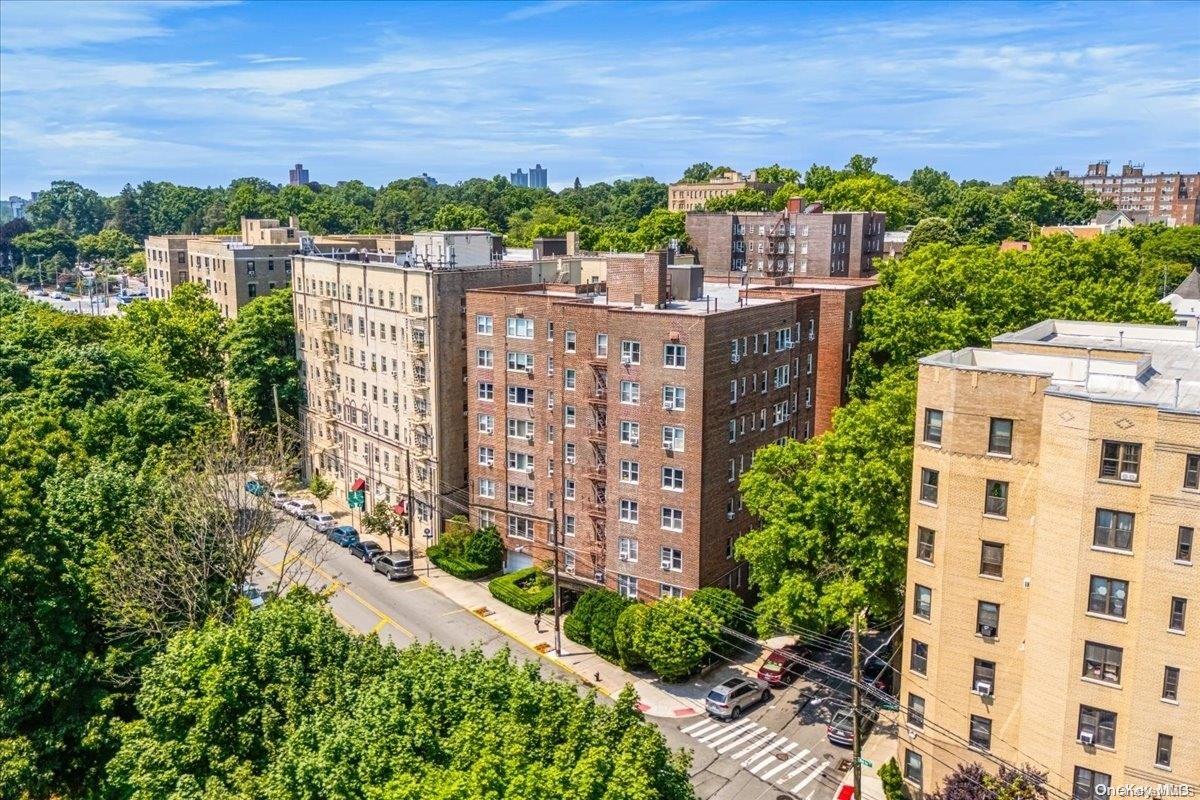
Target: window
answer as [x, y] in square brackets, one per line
[996, 498]
[991, 559]
[417, 303]
[569, 379]
[1107, 596]
[1178, 614]
[487, 456]
[672, 519]
[674, 398]
[520, 396]
[630, 432]
[981, 732]
[629, 511]
[1102, 662]
[483, 358]
[569, 341]
[601, 344]
[1183, 545]
[922, 601]
[782, 376]
[631, 392]
[627, 549]
[672, 438]
[983, 677]
[569, 452]
[933, 426]
[672, 479]
[916, 711]
[568, 416]
[519, 327]
[252, 289]
[569, 489]
[913, 766]
[486, 422]
[1170, 690]
[550, 331]
[1000, 436]
[631, 352]
[987, 619]
[1191, 472]
[918, 658]
[522, 495]
[519, 362]
[1100, 724]
[520, 527]
[487, 391]
[629, 471]
[1162, 753]
[667, 590]
[925, 545]
[483, 324]
[520, 428]
[1120, 460]
[1087, 782]
[1114, 529]
[627, 587]
[675, 355]
[671, 559]
[569, 530]
[929, 485]
[487, 487]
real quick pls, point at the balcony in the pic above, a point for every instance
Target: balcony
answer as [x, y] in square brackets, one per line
[597, 435]
[599, 396]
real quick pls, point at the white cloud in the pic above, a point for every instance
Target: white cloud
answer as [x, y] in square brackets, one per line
[539, 9]
[39, 25]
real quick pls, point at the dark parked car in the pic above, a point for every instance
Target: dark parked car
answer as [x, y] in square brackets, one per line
[729, 699]
[781, 667]
[840, 729]
[393, 566]
[878, 672]
[256, 488]
[366, 549]
[343, 535]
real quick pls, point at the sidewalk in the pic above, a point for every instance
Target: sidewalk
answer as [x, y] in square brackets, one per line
[879, 748]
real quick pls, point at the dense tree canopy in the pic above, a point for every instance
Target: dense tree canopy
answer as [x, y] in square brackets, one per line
[260, 349]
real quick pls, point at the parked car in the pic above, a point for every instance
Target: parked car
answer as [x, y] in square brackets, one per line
[255, 487]
[840, 729]
[343, 535]
[254, 595]
[729, 699]
[393, 565]
[39, 292]
[279, 498]
[300, 509]
[781, 667]
[367, 550]
[878, 672]
[320, 521]
[60, 296]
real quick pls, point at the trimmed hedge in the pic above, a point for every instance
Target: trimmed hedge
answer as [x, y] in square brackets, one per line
[578, 625]
[456, 566]
[528, 590]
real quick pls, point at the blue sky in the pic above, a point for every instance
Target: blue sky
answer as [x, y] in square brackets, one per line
[201, 93]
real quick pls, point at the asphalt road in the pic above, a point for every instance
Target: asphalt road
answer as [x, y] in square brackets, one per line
[776, 751]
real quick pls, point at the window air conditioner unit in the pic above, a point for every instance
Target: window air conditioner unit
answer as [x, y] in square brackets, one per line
[529, 370]
[983, 688]
[626, 360]
[668, 447]
[735, 358]
[570, 459]
[987, 630]
[668, 405]
[1129, 476]
[729, 515]
[529, 438]
[529, 470]
[1086, 738]
[622, 558]
[633, 440]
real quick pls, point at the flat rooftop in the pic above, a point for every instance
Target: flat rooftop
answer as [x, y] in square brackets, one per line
[716, 298]
[1099, 361]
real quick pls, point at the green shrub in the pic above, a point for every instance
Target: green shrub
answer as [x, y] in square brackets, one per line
[578, 625]
[893, 783]
[485, 547]
[604, 624]
[454, 538]
[676, 636]
[458, 566]
[527, 590]
[625, 633]
[729, 610]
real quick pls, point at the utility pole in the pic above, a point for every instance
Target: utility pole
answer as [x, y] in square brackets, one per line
[410, 509]
[278, 422]
[856, 700]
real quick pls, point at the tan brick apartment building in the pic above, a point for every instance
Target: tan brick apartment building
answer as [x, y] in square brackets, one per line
[802, 241]
[1052, 589]
[690, 195]
[624, 411]
[383, 362]
[1170, 196]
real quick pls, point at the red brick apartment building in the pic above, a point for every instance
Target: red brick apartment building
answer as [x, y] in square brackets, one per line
[804, 241]
[1172, 197]
[624, 412]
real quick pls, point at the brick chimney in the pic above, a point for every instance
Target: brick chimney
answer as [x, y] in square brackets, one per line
[795, 205]
[638, 278]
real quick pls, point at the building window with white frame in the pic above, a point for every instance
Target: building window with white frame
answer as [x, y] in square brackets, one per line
[631, 352]
[671, 559]
[601, 344]
[520, 328]
[569, 341]
[569, 489]
[672, 479]
[569, 452]
[627, 549]
[569, 379]
[672, 438]
[519, 362]
[568, 416]
[630, 432]
[487, 423]
[672, 519]
[521, 495]
[629, 511]
[487, 488]
[629, 471]
[487, 456]
[486, 391]
[675, 356]
[674, 398]
[627, 587]
[483, 358]
[667, 590]
[520, 527]
[630, 392]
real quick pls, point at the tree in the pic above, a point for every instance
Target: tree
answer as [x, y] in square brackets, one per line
[320, 488]
[659, 228]
[698, 172]
[860, 165]
[676, 636]
[777, 174]
[333, 715]
[726, 606]
[935, 189]
[47, 243]
[626, 633]
[931, 230]
[486, 548]
[183, 333]
[893, 782]
[460, 217]
[872, 192]
[973, 782]
[9, 252]
[382, 520]
[786, 192]
[68, 207]
[260, 348]
[980, 216]
[109, 243]
[745, 199]
[818, 178]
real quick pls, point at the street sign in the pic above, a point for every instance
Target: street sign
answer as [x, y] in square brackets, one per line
[865, 763]
[356, 499]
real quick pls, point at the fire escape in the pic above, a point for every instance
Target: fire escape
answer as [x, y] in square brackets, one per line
[597, 435]
[777, 247]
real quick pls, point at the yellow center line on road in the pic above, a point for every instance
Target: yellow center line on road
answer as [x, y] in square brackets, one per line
[339, 586]
[378, 626]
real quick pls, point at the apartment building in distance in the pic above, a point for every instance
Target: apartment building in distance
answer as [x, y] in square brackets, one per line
[1172, 197]
[380, 337]
[624, 410]
[167, 264]
[802, 240]
[1052, 584]
[692, 195]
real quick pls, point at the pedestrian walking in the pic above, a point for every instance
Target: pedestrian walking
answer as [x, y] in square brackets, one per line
[537, 621]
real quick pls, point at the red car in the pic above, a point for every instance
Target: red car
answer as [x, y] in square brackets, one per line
[781, 667]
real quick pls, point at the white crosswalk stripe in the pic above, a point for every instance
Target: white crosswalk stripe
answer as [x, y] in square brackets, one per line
[771, 756]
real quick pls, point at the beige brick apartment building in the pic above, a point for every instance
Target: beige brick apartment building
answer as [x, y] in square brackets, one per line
[383, 362]
[1173, 197]
[799, 240]
[624, 411]
[692, 195]
[1052, 589]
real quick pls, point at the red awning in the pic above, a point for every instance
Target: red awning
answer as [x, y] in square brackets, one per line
[359, 485]
[399, 508]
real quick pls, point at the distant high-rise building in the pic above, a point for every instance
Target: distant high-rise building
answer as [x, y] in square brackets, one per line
[298, 175]
[518, 178]
[1172, 197]
[537, 177]
[429, 179]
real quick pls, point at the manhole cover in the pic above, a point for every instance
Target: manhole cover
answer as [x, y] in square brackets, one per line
[843, 764]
